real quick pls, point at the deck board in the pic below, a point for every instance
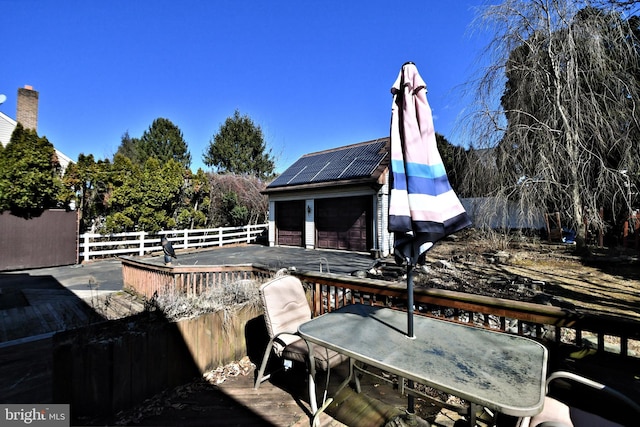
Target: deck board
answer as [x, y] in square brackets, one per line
[4, 334]
[117, 305]
[56, 311]
[52, 316]
[37, 326]
[375, 406]
[274, 403]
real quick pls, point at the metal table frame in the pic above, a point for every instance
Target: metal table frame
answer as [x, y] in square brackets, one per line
[499, 371]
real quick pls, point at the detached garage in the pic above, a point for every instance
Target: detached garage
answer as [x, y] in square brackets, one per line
[333, 199]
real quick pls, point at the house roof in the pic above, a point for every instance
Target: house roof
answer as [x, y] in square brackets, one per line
[7, 126]
[352, 164]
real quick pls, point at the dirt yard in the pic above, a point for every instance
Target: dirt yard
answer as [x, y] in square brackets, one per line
[607, 281]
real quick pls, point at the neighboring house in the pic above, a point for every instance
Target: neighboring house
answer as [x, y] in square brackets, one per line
[494, 213]
[333, 199]
[45, 240]
[7, 125]
[27, 114]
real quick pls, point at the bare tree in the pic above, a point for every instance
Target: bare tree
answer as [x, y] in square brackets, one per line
[558, 105]
[236, 198]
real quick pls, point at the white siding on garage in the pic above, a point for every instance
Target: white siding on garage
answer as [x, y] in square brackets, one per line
[310, 225]
[384, 238]
[272, 223]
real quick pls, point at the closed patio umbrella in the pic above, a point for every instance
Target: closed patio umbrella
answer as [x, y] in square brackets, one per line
[423, 208]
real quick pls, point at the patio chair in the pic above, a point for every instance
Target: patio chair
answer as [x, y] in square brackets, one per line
[579, 401]
[285, 308]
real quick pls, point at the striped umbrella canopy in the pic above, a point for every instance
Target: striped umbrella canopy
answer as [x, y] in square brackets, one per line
[423, 208]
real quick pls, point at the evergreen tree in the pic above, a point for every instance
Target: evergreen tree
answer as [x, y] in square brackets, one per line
[163, 140]
[29, 174]
[239, 147]
[88, 183]
[129, 147]
[144, 197]
[452, 158]
[194, 207]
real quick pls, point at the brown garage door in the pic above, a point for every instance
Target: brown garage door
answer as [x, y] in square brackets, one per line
[290, 222]
[344, 223]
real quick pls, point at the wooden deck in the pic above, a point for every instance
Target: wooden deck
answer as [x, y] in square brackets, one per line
[27, 309]
[35, 308]
[283, 406]
[272, 402]
[281, 401]
[30, 306]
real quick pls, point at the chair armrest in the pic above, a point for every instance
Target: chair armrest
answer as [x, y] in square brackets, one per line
[276, 338]
[595, 385]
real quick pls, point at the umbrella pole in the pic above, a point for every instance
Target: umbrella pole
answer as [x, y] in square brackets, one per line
[410, 335]
[410, 301]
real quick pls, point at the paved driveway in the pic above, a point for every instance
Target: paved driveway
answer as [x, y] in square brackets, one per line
[339, 262]
[98, 277]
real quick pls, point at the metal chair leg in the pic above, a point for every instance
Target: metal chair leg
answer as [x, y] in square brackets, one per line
[260, 377]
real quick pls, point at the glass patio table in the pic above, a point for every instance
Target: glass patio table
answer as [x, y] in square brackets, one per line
[505, 373]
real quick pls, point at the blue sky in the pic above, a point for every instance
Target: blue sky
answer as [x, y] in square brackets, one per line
[313, 75]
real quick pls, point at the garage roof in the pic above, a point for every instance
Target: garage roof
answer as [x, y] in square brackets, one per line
[353, 163]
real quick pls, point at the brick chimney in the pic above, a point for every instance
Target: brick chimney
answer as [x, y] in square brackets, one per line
[27, 108]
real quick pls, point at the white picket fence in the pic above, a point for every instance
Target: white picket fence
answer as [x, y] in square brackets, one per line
[139, 243]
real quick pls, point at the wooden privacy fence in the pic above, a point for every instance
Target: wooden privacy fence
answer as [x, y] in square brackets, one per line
[94, 245]
[50, 239]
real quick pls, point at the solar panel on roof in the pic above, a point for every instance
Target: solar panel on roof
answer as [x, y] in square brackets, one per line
[343, 163]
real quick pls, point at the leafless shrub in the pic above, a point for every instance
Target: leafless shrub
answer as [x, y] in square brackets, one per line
[227, 298]
[499, 240]
[247, 188]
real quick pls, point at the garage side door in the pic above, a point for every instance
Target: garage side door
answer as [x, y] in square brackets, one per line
[290, 222]
[344, 223]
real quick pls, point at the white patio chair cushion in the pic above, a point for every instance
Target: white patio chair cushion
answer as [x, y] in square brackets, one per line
[558, 414]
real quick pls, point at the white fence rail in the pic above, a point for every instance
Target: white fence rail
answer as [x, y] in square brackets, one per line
[139, 243]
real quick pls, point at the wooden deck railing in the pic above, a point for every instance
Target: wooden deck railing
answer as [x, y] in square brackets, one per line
[543, 322]
[146, 278]
[330, 291]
